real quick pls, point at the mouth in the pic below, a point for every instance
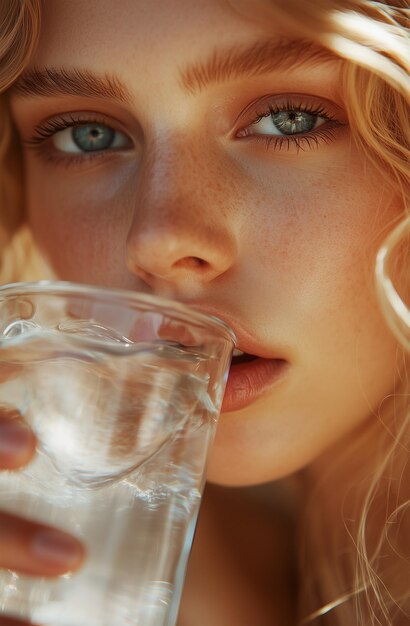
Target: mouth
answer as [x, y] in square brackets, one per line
[250, 377]
[253, 370]
[242, 357]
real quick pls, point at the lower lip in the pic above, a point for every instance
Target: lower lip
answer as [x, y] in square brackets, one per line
[249, 381]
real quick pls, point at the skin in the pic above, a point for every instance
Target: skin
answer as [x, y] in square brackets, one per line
[287, 238]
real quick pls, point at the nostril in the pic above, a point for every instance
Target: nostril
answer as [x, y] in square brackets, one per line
[190, 262]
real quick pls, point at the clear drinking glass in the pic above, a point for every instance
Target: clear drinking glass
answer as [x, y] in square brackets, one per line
[123, 392]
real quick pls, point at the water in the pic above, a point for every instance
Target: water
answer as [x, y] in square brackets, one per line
[123, 439]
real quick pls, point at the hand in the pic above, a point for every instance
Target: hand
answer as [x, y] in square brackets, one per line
[28, 547]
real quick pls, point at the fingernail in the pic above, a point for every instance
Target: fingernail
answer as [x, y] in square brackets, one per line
[15, 437]
[56, 547]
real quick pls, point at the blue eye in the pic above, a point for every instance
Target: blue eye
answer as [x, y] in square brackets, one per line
[293, 122]
[286, 123]
[88, 138]
[93, 137]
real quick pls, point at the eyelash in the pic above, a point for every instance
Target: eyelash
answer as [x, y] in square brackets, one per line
[45, 130]
[310, 141]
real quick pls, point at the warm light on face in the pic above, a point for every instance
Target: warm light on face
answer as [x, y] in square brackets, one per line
[237, 189]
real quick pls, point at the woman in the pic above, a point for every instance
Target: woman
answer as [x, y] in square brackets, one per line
[249, 159]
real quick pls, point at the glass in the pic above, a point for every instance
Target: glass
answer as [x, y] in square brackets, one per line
[123, 392]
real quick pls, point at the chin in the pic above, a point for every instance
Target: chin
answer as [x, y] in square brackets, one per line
[232, 469]
[251, 447]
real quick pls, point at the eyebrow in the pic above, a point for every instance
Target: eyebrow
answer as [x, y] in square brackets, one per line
[221, 66]
[262, 57]
[53, 82]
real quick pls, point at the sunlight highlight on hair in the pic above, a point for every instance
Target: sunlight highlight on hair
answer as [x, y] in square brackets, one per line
[396, 311]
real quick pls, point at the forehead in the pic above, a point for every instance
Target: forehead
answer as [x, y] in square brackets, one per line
[139, 31]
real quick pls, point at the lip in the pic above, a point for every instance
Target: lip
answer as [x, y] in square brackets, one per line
[250, 380]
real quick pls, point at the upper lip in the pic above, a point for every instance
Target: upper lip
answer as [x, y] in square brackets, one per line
[246, 342]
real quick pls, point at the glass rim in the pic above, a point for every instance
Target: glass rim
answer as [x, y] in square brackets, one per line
[144, 301]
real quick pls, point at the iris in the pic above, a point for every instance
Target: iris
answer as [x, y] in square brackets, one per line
[90, 137]
[292, 122]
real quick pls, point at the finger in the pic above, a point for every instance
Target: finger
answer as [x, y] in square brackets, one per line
[17, 441]
[9, 370]
[37, 550]
[5, 620]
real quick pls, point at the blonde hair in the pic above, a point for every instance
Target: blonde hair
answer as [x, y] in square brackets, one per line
[20, 27]
[373, 37]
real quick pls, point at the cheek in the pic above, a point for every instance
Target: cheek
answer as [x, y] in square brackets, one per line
[80, 228]
[315, 230]
[318, 260]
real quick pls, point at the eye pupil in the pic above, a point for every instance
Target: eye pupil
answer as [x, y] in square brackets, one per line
[92, 137]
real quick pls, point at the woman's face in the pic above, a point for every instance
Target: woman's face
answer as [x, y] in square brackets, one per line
[180, 149]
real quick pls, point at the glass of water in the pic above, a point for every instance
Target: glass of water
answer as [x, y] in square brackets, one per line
[123, 392]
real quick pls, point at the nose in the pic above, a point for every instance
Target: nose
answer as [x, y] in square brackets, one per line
[181, 232]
